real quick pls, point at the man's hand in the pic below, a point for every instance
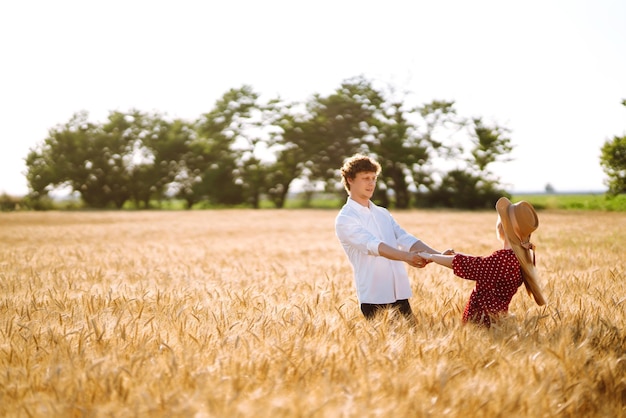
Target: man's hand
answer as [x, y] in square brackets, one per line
[416, 260]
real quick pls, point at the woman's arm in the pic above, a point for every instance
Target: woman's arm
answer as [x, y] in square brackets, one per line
[423, 249]
[441, 259]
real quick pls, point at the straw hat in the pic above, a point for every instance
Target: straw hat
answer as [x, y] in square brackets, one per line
[519, 222]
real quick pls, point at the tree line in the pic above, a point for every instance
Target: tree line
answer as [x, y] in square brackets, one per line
[613, 162]
[246, 149]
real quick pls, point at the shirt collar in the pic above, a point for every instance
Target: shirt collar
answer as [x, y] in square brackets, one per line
[357, 206]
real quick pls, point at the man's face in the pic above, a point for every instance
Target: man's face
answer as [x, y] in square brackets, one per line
[363, 185]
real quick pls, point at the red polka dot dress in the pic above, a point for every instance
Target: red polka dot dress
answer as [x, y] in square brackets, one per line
[497, 278]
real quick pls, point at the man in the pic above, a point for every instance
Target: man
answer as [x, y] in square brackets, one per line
[375, 244]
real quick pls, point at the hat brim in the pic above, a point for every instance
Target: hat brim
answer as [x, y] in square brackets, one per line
[504, 207]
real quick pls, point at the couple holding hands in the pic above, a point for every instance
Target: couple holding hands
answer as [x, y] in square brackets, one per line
[376, 246]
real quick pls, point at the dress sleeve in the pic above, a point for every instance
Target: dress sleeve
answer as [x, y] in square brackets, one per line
[475, 267]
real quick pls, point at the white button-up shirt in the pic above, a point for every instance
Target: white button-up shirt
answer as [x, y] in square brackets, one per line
[360, 231]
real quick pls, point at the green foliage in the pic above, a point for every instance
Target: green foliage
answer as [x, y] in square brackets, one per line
[613, 161]
[225, 172]
[400, 151]
[9, 203]
[243, 151]
[490, 145]
[547, 201]
[106, 164]
[599, 202]
[462, 190]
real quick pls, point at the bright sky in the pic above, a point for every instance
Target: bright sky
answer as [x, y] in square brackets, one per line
[554, 72]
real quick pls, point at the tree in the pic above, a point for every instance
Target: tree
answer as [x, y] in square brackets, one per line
[613, 162]
[41, 174]
[476, 186]
[458, 189]
[460, 152]
[401, 151]
[253, 144]
[111, 158]
[438, 125]
[89, 158]
[280, 121]
[490, 144]
[313, 143]
[339, 126]
[242, 150]
[212, 167]
[133, 155]
[165, 145]
[48, 164]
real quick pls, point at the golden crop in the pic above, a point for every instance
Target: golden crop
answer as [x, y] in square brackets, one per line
[243, 313]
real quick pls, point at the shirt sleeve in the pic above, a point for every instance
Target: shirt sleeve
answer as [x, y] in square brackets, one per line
[351, 232]
[404, 239]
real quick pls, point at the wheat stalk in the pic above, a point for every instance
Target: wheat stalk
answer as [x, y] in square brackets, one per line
[253, 313]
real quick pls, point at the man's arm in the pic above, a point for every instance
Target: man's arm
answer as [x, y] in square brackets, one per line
[421, 246]
[409, 257]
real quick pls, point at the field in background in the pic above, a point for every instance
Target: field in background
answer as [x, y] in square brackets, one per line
[239, 313]
[573, 201]
[576, 201]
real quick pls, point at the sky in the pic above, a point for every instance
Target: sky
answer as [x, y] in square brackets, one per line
[553, 72]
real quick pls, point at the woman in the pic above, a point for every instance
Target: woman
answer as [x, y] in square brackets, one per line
[499, 275]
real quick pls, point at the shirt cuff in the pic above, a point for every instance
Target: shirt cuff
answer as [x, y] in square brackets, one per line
[372, 246]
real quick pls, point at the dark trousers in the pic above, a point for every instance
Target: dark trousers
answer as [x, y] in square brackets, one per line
[403, 306]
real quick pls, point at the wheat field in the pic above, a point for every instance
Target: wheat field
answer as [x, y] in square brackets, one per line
[243, 313]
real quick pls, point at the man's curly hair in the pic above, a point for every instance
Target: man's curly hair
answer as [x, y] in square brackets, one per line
[357, 164]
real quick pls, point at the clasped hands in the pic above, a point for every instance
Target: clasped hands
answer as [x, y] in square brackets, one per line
[418, 261]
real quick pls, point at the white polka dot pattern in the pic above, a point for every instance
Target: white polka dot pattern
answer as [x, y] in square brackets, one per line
[497, 278]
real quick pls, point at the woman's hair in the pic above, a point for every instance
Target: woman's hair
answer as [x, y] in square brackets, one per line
[357, 164]
[499, 229]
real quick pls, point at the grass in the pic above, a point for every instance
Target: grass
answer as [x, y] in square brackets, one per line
[593, 202]
[253, 313]
[575, 201]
